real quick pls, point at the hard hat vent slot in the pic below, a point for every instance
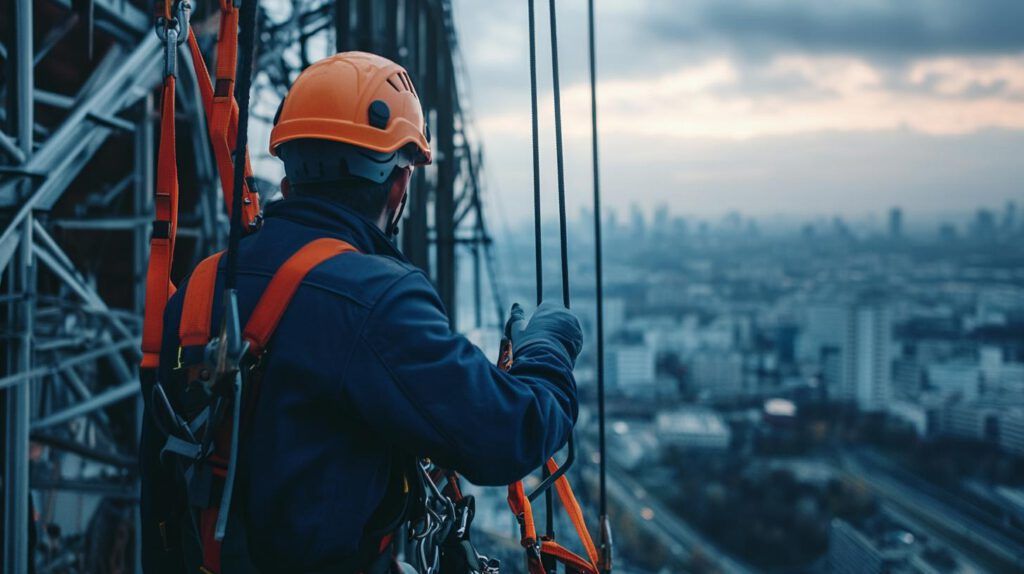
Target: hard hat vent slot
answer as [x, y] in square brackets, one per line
[391, 82]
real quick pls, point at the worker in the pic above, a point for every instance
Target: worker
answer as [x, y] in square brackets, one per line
[363, 368]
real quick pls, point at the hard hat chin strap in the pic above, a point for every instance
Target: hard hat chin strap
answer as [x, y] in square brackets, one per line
[398, 195]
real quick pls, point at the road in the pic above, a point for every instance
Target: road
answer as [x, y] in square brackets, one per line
[968, 534]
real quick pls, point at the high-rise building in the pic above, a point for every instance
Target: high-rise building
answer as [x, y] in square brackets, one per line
[638, 222]
[895, 223]
[867, 356]
[630, 368]
[1009, 224]
[852, 343]
[614, 315]
[718, 373]
[822, 328]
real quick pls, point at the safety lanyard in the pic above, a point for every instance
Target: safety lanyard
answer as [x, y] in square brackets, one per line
[173, 30]
[222, 111]
[222, 114]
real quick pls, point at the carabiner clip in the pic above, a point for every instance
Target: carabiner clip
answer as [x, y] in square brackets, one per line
[173, 33]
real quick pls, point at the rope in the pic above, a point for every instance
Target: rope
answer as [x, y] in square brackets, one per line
[563, 240]
[538, 251]
[599, 296]
[549, 506]
[247, 42]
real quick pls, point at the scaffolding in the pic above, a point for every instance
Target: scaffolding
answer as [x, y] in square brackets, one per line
[77, 156]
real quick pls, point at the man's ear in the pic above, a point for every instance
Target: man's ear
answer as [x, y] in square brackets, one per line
[286, 187]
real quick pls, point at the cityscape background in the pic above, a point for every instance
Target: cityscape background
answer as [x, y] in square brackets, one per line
[833, 395]
[813, 274]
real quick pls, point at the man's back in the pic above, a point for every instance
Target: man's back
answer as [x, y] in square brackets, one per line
[363, 368]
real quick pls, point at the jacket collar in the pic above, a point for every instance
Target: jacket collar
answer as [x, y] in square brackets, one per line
[334, 219]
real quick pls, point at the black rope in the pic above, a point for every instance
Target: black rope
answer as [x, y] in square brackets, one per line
[538, 252]
[563, 236]
[549, 504]
[246, 43]
[598, 259]
[599, 296]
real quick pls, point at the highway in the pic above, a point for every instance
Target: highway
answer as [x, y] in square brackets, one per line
[1000, 553]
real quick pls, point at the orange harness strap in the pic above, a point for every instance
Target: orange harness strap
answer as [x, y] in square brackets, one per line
[282, 287]
[537, 546]
[197, 309]
[222, 111]
[165, 227]
[198, 305]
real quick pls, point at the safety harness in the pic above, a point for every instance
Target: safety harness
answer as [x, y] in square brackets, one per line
[205, 421]
[222, 124]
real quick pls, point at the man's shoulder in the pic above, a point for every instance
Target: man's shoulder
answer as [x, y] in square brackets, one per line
[363, 278]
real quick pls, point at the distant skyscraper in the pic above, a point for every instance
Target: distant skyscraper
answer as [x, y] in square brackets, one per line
[717, 373]
[867, 362]
[638, 221]
[896, 223]
[630, 368]
[614, 315]
[1009, 224]
[853, 344]
[984, 226]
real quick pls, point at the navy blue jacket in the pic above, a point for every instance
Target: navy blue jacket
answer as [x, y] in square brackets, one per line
[362, 365]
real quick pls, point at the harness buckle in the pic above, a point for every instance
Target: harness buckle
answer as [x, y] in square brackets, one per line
[173, 33]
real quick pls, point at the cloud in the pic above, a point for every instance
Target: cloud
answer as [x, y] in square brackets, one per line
[714, 99]
[880, 28]
[761, 105]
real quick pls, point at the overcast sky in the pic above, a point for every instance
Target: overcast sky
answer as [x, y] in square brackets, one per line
[768, 107]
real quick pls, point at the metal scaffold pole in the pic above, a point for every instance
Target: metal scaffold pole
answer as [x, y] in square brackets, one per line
[20, 280]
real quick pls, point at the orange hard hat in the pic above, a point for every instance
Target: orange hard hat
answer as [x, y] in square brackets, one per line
[354, 98]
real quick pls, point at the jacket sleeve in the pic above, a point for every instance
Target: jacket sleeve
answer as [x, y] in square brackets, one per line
[440, 396]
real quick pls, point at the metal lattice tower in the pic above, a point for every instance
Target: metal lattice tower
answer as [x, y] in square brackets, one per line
[77, 157]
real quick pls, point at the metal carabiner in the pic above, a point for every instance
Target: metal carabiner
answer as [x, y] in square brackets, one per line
[173, 33]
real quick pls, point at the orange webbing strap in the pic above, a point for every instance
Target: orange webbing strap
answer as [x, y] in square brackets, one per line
[197, 309]
[282, 287]
[222, 111]
[223, 116]
[165, 227]
[572, 508]
[521, 507]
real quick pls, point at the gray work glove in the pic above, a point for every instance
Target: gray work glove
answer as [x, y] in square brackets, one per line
[551, 323]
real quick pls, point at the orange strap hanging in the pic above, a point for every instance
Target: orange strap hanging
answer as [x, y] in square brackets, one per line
[222, 125]
[536, 547]
[165, 227]
[222, 112]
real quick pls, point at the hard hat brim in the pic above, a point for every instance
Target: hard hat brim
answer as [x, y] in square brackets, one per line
[398, 135]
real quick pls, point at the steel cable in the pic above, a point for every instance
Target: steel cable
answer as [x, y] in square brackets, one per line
[599, 301]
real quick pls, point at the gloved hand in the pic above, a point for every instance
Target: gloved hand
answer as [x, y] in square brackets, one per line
[551, 323]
